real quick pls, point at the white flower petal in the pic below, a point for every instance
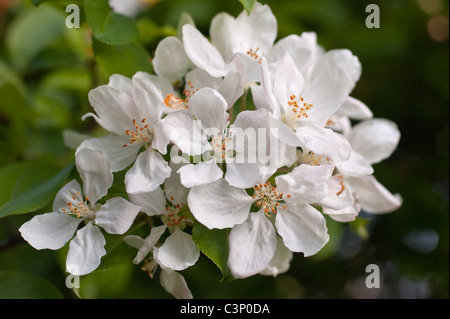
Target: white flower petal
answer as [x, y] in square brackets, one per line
[375, 139]
[302, 228]
[148, 99]
[199, 174]
[327, 92]
[85, 250]
[50, 230]
[148, 172]
[175, 192]
[219, 205]
[280, 262]
[300, 48]
[231, 88]
[202, 53]
[355, 109]
[344, 215]
[356, 165]
[374, 197]
[252, 246]
[305, 182]
[152, 203]
[95, 171]
[248, 68]
[222, 30]
[208, 106]
[118, 155]
[180, 129]
[178, 251]
[325, 142]
[342, 58]
[114, 108]
[73, 139]
[257, 29]
[117, 215]
[246, 175]
[170, 61]
[134, 241]
[120, 82]
[149, 243]
[175, 284]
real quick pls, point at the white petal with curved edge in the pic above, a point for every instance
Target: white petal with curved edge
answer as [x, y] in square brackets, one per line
[219, 205]
[252, 246]
[257, 29]
[344, 215]
[306, 183]
[180, 129]
[280, 262]
[50, 230]
[300, 48]
[231, 88]
[178, 251]
[355, 109]
[114, 108]
[148, 99]
[302, 228]
[199, 174]
[374, 197]
[120, 82]
[325, 142]
[95, 172]
[175, 284]
[342, 58]
[152, 203]
[119, 156]
[209, 107]
[356, 165]
[223, 30]
[149, 243]
[85, 250]
[175, 192]
[247, 67]
[202, 53]
[148, 172]
[375, 139]
[327, 92]
[117, 215]
[170, 61]
[246, 175]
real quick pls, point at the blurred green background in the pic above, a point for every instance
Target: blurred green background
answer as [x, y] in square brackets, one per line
[46, 71]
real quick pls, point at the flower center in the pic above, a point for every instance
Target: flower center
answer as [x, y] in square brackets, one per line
[172, 219]
[255, 55]
[268, 198]
[78, 207]
[310, 158]
[150, 266]
[176, 103]
[140, 133]
[221, 149]
[298, 110]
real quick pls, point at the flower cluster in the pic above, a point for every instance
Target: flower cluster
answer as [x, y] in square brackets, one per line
[196, 151]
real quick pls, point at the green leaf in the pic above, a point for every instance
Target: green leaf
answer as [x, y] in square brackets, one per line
[33, 31]
[248, 5]
[29, 186]
[108, 26]
[214, 244]
[19, 285]
[126, 59]
[118, 253]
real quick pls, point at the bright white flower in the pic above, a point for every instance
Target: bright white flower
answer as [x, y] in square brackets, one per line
[170, 61]
[131, 110]
[253, 239]
[237, 44]
[71, 207]
[372, 141]
[300, 109]
[178, 251]
[172, 281]
[204, 130]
